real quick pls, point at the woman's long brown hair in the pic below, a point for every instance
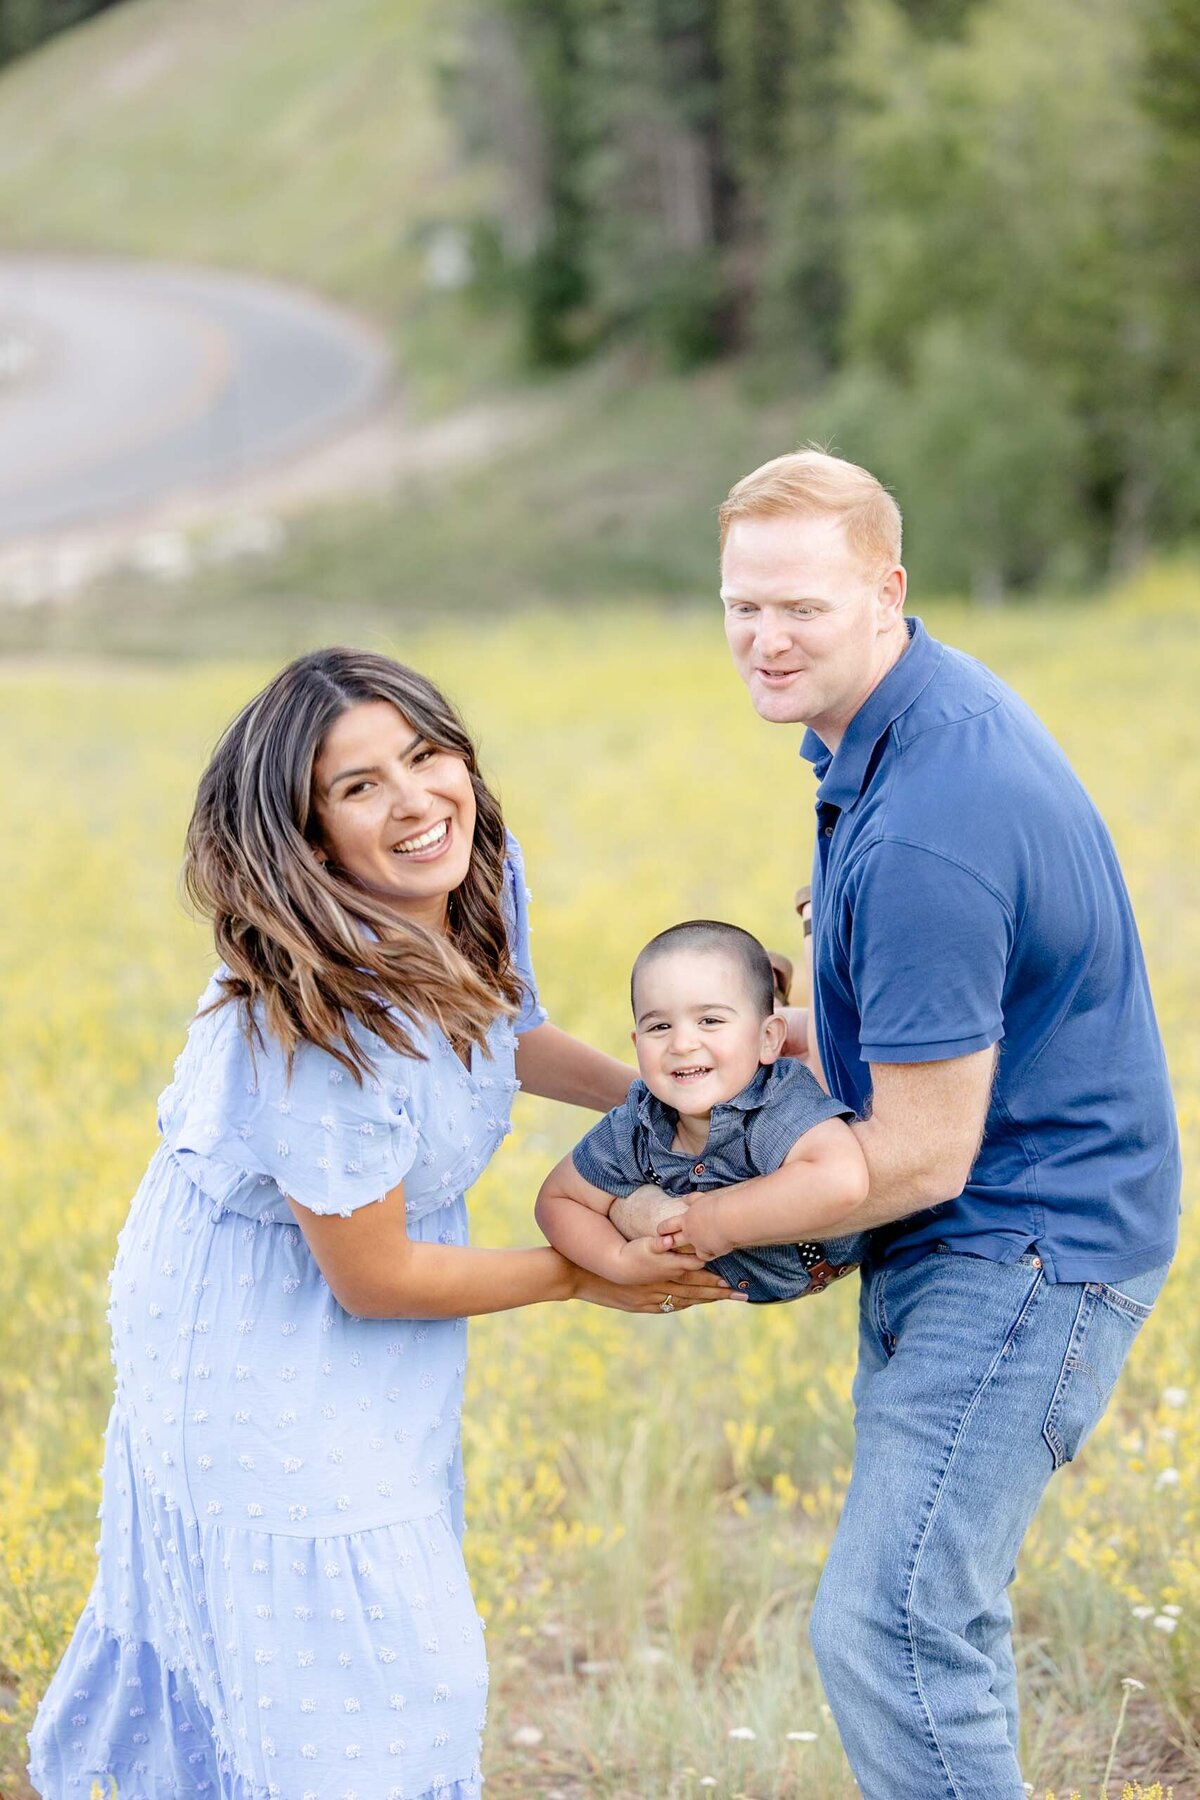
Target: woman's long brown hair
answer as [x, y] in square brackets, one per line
[307, 951]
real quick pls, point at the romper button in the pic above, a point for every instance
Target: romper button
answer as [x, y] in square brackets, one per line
[743, 1285]
[699, 1169]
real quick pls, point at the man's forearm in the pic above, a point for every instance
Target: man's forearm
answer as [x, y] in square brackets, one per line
[922, 1134]
[900, 1183]
[799, 1200]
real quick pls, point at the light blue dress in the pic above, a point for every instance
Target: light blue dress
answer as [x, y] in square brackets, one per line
[281, 1610]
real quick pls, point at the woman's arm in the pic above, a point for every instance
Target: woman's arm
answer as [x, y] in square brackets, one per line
[552, 1063]
[814, 1194]
[376, 1271]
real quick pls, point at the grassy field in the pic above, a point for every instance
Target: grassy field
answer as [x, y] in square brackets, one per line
[650, 1500]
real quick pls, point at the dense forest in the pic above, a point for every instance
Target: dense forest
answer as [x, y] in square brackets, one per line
[967, 230]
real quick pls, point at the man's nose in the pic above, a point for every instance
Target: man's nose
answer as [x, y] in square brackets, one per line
[772, 638]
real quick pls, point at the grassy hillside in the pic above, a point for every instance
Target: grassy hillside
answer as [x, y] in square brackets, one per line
[288, 136]
[296, 138]
[311, 142]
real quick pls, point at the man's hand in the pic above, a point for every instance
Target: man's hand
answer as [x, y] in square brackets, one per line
[698, 1229]
[638, 1214]
[796, 1043]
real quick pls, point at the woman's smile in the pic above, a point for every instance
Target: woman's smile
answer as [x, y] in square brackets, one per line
[427, 845]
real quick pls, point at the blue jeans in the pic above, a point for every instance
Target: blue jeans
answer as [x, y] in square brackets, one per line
[976, 1380]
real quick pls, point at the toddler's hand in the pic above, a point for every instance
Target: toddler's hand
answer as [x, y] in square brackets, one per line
[698, 1229]
[650, 1259]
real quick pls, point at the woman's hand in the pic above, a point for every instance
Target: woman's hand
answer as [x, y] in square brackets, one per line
[691, 1287]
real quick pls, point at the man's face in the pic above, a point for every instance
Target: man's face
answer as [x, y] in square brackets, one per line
[811, 631]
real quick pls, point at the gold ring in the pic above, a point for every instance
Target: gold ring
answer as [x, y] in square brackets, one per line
[666, 1304]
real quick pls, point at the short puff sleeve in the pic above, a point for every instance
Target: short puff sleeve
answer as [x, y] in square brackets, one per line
[242, 1127]
[514, 902]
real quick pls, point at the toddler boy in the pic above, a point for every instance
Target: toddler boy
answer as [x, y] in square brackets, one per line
[677, 1165]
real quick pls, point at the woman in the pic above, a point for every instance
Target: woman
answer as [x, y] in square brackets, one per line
[281, 1607]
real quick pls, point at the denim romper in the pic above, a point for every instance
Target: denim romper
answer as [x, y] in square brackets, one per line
[748, 1135]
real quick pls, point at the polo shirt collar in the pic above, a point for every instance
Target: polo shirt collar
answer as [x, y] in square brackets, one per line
[842, 774]
[653, 1111]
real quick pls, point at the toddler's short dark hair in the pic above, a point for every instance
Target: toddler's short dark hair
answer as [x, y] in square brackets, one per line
[715, 934]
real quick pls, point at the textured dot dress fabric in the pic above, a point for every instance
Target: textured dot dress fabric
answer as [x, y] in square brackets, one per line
[281, 1609]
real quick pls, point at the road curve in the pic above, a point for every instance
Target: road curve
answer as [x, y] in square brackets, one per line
[140, 381]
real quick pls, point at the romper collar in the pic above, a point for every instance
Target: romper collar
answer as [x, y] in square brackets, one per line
[655, 1114]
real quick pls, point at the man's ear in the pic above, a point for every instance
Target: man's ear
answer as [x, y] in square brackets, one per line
[892, 591]
[774, 1037]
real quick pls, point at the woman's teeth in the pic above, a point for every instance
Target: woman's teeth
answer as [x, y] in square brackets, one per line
[426, 841]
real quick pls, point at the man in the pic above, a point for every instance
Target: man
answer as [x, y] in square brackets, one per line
[980, 998]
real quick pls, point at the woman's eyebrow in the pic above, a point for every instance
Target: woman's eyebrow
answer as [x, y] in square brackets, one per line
[347, 773]
[374, 769]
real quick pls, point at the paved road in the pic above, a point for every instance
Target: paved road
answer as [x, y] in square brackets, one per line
[138, 381]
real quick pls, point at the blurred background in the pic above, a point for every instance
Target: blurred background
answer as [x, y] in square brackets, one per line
[444, 326]
[607, 254]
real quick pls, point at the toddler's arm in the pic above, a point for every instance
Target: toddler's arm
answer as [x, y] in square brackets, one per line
[821, 1182]
[577, 1219]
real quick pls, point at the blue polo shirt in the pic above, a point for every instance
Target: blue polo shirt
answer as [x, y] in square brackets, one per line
[967, 893]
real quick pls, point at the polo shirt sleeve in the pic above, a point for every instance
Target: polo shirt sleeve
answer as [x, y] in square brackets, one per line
[607, 1156]
[930, 941]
